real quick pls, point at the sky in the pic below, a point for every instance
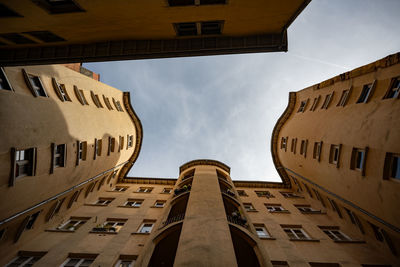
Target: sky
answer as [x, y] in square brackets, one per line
[225, 107]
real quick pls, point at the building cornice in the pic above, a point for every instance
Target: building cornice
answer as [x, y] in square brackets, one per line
[275, 139]
[139, 135]
[204, 162]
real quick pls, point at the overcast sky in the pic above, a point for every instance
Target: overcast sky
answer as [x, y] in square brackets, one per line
[225, 107]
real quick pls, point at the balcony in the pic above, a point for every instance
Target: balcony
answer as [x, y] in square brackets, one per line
[183, 189]
[176, 218]
[237, 219]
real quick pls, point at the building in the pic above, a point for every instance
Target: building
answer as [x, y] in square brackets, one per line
[66, 199]
[48, 32]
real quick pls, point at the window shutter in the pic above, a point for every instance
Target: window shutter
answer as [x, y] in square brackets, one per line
[53, 154]
[56, 87]
[13, 166]
[21, 228]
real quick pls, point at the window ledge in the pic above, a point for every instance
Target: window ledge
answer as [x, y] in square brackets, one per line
[156, 207]
[141, 192]
[59, 231]
[137, 233]
[165, 193]
[103, 233]
[313, 212]
[252, 210]
[95, 205]
[115, 191]
[307, 240]
[128, 207]
[350, 241]
[283, 211]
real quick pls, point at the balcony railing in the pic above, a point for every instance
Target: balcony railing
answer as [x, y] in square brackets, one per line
[237, 220]
[187, 177]
[182, 190]
[228, 192]
[173, 219]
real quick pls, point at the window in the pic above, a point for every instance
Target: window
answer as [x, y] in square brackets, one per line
[73, 224]
[358, 159]
[366, 93]
[80, 96]
[275, 208]
[159, 204]
[323, 264]
[295, 232]
[81, 151]
[343, 99]
[136, 203]
[315, 103]
[297, 183]
[284, 143]
[23, 163]
[59, 156]
[59, 6]
[266, 194]
[199, 28]
[308, 190]
[145, 189]
[110, 226]
[303, 106]
[121, 143]
[242, 193]
[60, 90]
[31, 220]
[319, 197]
[303, 147]
[104, 201]
[17, 38]
[26, 258]
[97, 147]
[335, 207]
[146, 227]
[111, 145]
[55, 208]
[129, 139]
[354, 220]
[317, 150]
[4, 83]
[188, 175]
[45, 36]
[290, 195]
[35, 84]
[108, 104]
[126, 261]
[392, 166]
[249, 207]
[74, 198]
[334, 154]
[279, 264]
[117, 105]
[261, 231]
[26, 224]
[167, 191]
[194, 2]
[334, 233]
[120, 188]
[96, 100]
[394, 89]
[79, 260]
[327, 101]
[294, 145]
[307, 209]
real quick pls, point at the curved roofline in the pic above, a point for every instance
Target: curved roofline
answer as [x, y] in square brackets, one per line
[139, 135]
[195, 162]
[274, 139]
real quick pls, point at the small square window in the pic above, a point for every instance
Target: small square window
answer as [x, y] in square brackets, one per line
[121, 143]
[145, 189]
[317, 150]
[327, 101]
[392, 166]
[303, 105]
[262, 231]
[167, 191]
[296, 182]
[249, 207]
[146, 227]
[81, 151]
[315, 103]
[211, 27]
[32, 220]
[120, 188]
[35, 84]
[159, 203]
[97, 147]
[111, 145]
[4, 83]
[323, 264]
[59, 6]
[59, 156]
[136, 203]
[334, 155]
[366, 93]
[394, 89]
[294, 145]
[80, 95]
[303, 147]
[284, 141]
[308, 190]
[275, 208]
[343, 99]
[103, 201]
[130, 141]
[24, 163]
[358, 159]
[181, 2]
[296, 233]
[186, 29]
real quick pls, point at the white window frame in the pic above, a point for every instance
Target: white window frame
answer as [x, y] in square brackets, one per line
[25, 262]
[119, 262]
[120, 189]
[165, 191]
[146, 190]
[105, 201]
[275, 208]
[249, 206]
[79, 223]
[158, 202]
[334, 236]
[262, 233]
[142, 227]
[78, 263]
[136, 203]
[296, 236]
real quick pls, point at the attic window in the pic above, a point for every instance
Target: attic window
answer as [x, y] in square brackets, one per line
[59, 6]
[6, 12]
[211, 27]
[186, 29]
[16, 38]
[199, 28]
[46, 36]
